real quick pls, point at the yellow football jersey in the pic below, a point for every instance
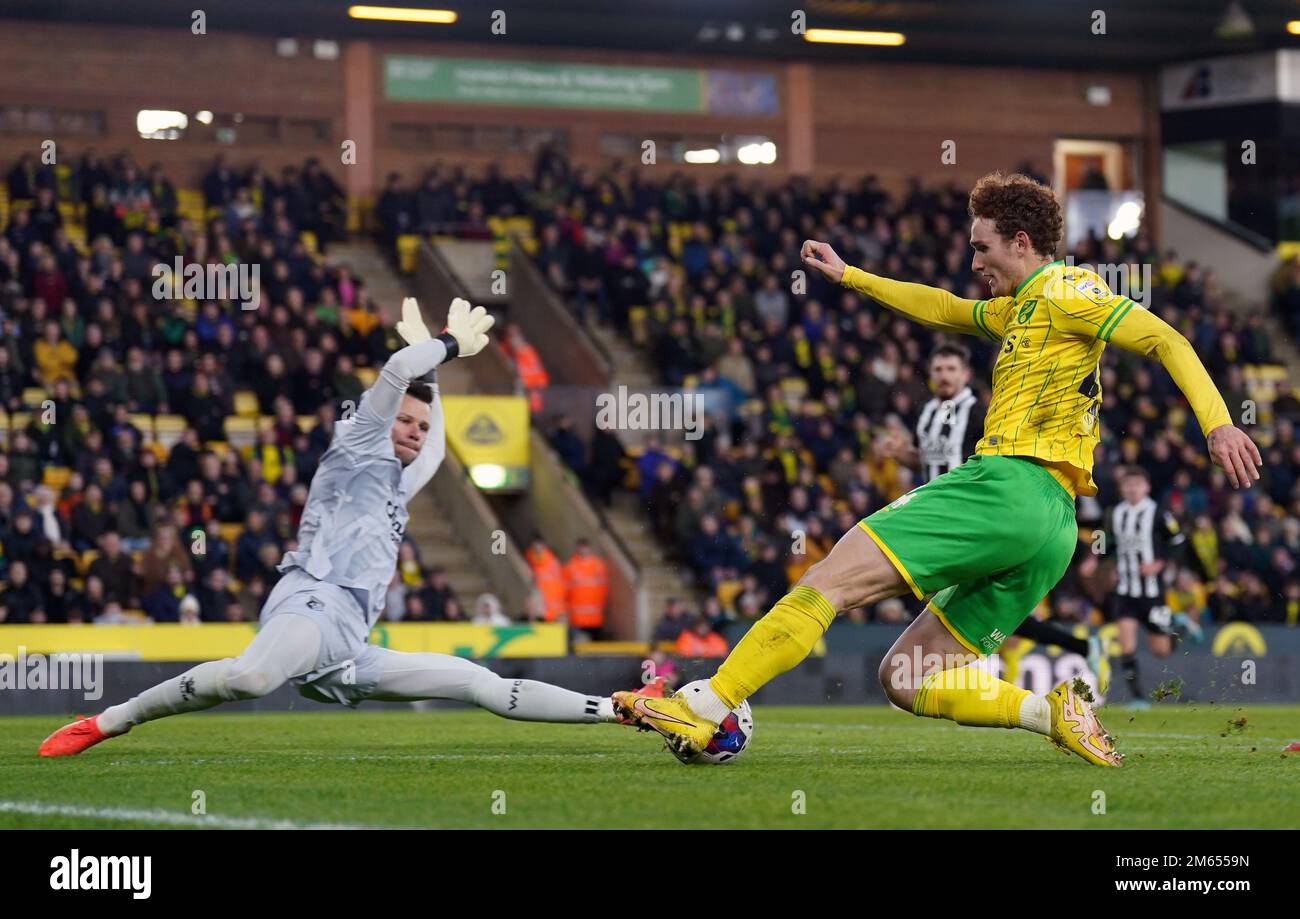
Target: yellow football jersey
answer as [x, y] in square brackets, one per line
[1046, 380]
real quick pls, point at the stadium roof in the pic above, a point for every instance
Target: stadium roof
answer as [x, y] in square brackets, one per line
[1138, 33]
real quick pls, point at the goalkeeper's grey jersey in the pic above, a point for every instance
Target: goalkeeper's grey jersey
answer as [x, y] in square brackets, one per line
[355, 516]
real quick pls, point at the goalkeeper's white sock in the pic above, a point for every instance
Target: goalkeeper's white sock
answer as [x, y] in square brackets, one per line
[286, 645]
[531, 700]
[192, 691]
[412, 676]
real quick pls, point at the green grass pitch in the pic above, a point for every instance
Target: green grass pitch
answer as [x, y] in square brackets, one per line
[1187, 766]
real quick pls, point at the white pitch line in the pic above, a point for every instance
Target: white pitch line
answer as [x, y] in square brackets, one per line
[171, 818]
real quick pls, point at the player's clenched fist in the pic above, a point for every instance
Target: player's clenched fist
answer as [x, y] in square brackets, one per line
[822, 257]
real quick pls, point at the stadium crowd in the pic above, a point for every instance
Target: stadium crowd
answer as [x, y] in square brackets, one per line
[810, 390]
[101, 515]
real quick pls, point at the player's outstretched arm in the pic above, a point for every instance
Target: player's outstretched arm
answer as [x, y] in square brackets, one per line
[466, 335]
[929, 306]
[1145, 333]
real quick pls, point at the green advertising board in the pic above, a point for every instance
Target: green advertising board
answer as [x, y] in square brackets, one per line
[577, 86]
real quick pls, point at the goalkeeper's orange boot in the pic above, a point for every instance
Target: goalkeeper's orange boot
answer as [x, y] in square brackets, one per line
[1075, 728]
[71, 739]
[685, 732]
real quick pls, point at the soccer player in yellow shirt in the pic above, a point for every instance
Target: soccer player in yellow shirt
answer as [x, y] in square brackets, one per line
[982, 544]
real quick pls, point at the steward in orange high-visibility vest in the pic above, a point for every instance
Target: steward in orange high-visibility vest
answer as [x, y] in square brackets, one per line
[549, 575]
[701, 641]
[528, 364]
[588, 580]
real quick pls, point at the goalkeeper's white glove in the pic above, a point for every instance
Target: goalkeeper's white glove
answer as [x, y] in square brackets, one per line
[465, 327]
[412, 327]
[468, 327]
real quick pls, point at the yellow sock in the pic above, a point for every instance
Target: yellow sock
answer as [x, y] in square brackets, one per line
[970, 696]
[773, 645]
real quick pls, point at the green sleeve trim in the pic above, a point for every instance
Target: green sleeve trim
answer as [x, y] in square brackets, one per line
[1108, 327]
[977, 314]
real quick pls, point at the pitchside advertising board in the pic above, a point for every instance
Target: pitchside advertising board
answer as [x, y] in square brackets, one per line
[533, 84]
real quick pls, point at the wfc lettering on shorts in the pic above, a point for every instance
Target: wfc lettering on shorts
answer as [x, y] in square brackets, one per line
[103, 872]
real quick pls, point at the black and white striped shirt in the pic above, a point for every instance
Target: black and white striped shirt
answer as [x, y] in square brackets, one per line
[947, 432]
[1143, 533]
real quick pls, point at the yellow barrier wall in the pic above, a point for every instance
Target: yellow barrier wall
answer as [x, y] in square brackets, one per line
[213, 641]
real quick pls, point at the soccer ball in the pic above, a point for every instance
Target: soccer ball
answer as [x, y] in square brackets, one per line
[733, 734]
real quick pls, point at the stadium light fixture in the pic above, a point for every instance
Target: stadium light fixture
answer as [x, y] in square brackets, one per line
[160, 124]
[707, 155]
[759, 152]
[1293, 26]
[1127, 219]
[402, 14]
[853, 37]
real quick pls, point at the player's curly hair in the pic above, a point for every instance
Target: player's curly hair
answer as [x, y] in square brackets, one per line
[1016, 202]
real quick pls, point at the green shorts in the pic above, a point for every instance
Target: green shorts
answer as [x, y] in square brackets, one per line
[983, 544]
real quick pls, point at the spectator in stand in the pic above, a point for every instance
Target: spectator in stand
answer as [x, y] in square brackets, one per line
[165, 552]
[437, 593]
[215, 596]
[672, 623]
[163, 603]
[22, 601]
[114, 570]
[487, 611]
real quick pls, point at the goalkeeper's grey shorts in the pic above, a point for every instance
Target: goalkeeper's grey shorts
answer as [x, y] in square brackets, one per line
[347, 668]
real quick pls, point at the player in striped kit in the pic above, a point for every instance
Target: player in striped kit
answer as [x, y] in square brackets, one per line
[316, 621]
[1147, 541]
[947, 432]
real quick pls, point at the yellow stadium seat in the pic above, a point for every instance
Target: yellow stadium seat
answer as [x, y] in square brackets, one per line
[56, 477]
[636, 318]
[241, 432]
[33, 396]
[367, 376]
[408, 244]
[86, 559]
[143, 422]
[794, 386]
[306, 422]
[158, 450]
[230, 531]
[167, 429]
[219, 447]
[246, 404]
[309, 241]
[17, 421]
[727, 591]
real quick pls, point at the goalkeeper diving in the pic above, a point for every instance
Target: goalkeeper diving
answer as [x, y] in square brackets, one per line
[317, 619]
[982, 544]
